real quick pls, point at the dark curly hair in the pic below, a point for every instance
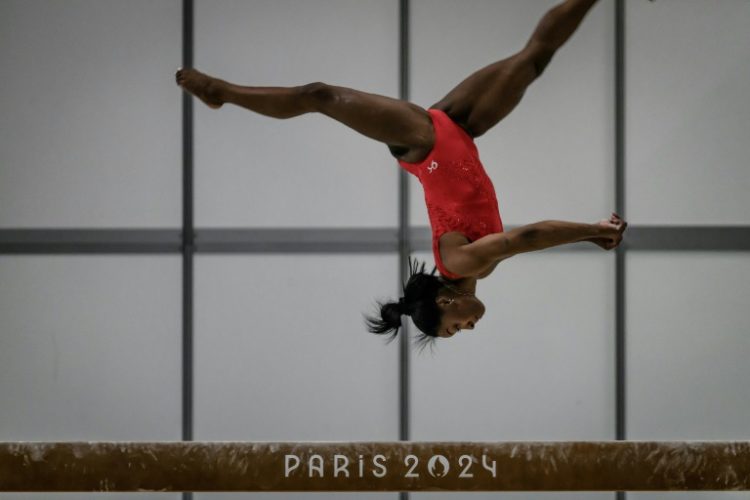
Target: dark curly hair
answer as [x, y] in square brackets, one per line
[420, 292]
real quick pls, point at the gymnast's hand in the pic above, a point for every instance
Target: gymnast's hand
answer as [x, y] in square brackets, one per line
[610, 232]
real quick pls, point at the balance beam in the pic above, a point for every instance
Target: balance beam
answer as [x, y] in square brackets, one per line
[375, 466]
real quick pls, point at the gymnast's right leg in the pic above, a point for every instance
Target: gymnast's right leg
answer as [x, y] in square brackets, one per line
[405, 127]
[486, 96]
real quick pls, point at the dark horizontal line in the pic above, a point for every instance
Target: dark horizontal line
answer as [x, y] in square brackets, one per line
[73, 241]
[693, 238]
[297, 240]
[328, 240]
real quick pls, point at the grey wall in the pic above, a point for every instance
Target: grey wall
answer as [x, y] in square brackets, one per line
[688, 111]
[90, 124]
[309, 171]
[90, 117]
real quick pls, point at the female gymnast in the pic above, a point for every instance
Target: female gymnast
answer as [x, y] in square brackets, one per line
[437, 146]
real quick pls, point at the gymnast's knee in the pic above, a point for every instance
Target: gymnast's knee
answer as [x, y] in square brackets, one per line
[540, 64]
[539, 54]
[318, 95]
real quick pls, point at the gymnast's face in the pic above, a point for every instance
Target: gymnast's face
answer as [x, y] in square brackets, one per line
[460, 312]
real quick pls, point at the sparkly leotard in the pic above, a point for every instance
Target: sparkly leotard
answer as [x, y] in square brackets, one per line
[458, 193]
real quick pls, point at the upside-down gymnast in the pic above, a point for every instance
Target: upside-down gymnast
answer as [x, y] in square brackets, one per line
[437, 146]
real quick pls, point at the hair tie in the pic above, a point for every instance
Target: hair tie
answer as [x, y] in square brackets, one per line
[402, 305]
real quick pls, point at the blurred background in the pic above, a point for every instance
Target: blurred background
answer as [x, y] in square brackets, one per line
[172, 272]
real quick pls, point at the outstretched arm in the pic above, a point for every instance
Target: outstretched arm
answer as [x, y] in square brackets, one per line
[472, 259]
[551, 233]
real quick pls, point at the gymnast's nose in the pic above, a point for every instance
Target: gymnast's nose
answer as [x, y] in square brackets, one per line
[472, 322]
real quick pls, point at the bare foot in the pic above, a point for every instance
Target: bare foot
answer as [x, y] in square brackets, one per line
[202, 86]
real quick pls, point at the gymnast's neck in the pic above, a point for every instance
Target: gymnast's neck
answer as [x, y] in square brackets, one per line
[467, 284]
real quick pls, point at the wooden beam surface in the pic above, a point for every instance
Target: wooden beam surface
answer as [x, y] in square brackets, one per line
[375, 466]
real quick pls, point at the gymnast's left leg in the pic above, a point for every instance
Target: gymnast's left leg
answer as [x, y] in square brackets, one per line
[487, 96]
[403, 126]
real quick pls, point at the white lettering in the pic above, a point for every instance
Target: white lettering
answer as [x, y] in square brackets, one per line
[414, 459]
[437, 466]
[469, 460]
[316, 465]
[492, 469]
[291, 462]
[337, 468]
[380, 465]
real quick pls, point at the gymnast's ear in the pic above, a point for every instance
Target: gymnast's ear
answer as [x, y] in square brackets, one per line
[441, 300]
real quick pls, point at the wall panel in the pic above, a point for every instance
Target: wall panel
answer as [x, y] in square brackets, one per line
[687, 112]
[89, 113]
[252, 170]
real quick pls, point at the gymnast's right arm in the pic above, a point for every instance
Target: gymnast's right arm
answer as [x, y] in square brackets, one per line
[471, 259]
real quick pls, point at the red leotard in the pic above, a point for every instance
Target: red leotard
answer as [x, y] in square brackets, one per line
[458, 193]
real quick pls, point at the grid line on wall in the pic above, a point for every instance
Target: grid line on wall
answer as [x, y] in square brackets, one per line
[187, 234]
[620, 295]
[330, 240]
[404, 235]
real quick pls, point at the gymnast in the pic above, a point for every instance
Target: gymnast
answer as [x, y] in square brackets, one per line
[437, 146]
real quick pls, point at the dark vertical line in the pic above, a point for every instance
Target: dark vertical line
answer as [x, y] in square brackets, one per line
[620, 345]
[403, 233]
[187, 232]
